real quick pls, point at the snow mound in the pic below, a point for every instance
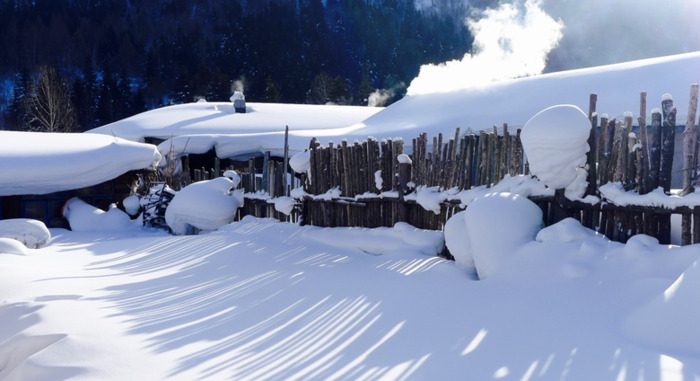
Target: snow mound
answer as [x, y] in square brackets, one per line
[132, 205]
[555, 141]
[457, 241]
[401, 238]
[497, 225]
[566, 230]
[205, 205]
[84, 217]
[12, 246]
[31, 233]
[670, 320]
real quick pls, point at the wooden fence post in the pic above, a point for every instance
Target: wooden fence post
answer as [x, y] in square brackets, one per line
[689, 165]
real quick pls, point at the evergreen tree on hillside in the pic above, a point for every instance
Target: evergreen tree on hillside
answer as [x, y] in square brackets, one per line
[175, 50]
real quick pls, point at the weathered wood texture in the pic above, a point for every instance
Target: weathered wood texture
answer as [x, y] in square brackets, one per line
[372, 189]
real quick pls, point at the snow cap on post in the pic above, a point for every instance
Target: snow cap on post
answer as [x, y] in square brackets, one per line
[555, 141]
[238, 100]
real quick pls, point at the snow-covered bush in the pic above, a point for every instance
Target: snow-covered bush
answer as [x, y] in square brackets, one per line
[31, 233]
[154, 204]
[495, 226]
[555, 141]
[84, 217]
[205, 205]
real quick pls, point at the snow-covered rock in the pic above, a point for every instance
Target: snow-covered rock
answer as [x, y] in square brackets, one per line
[205, 205]
[31, 233]
[497, 225]
[555, 141]
[84, 217]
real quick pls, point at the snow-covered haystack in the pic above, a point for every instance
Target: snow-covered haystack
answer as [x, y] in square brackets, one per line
[670, 320]
[493, 228]
[84, 217]
[555, 141]
[31, 233]
[205, 205]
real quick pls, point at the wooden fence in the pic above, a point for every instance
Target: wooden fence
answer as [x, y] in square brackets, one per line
[372, 183]
[366, 184]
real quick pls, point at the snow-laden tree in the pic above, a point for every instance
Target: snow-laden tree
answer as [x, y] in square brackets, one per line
[48, 104]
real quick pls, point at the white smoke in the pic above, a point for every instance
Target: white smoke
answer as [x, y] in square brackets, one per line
[379, 97]
[509, 42]
[238, 85]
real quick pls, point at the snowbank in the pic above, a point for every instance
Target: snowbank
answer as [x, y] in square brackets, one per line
[40, 163]
[12, 246]
[670, 320]
[205, 205]
[84, 217]
[31, 233]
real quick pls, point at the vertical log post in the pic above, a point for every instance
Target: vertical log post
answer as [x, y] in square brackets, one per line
[689, 163]
[667, 142]
[589, 217]
[404, 164]
[643, 184]
[668, 136]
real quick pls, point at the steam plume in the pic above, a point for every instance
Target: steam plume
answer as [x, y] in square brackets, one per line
[509, 42]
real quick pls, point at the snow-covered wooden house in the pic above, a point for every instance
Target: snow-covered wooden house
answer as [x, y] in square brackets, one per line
[40, 171]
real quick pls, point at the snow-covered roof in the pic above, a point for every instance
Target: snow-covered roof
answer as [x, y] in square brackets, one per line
[515, 101]
[199, 127]
[40, 163]
[220, 118]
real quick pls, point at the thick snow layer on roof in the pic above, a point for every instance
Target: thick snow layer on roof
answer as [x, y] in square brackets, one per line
[40, 163]
[515, 101]
[261, 129]
[220, 118]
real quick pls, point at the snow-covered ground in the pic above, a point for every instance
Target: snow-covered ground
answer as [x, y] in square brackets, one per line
[260, 299]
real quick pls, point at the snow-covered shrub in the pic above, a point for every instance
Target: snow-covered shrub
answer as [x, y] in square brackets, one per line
[84, 217]
[31, 233]
[205, 205]
[497, 224]
[555, 141]
[154, 204]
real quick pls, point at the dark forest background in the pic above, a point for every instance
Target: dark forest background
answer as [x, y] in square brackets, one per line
[111, 59]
